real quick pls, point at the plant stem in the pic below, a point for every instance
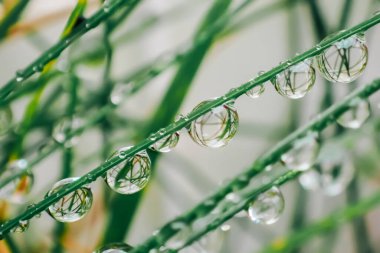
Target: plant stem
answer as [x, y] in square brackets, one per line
[92, 22]
[326, 118]
[242, 180]
[124, 207]
[12, 17]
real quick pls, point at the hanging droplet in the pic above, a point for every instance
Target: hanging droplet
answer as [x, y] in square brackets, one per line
[131, 175]
[119, 92]
[115, 248]
[166, 144]
[178, 240]
[256, 91]
[344, 61]
[6, 117]
[267, 207]
[330, 177]
[73, 206]
[17, 186]
[303, 153]
[23, 225]
[62, 130]
[215, 128]
[356, 116]
[295, 81]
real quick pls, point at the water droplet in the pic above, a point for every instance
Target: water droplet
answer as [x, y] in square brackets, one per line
[17, 189]
[225, 227]
[178, 240]
[295, 81]
[303, 153]
[166, 144]
[119, 92]
[233, 197]
[256, 91]
[6, 117]
[344, 61]
[329, 176]
[62, 130]
[131, 175]
[267, 207]
[356, 116]
[215, 128]
[115, 248]
[73, 206]
[23, 225]
[153, 137]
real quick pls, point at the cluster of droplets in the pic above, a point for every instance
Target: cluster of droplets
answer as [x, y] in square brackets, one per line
[343, 62]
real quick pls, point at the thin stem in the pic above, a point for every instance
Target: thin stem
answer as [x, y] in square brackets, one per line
[317, 124]
[92, 22]
[12, 17]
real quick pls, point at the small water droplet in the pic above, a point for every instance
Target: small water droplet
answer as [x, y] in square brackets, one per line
[166, 144]
[17, 189]
[233, 197]
[178, 240]
[256, 91]
[115, 248]
[267, 207]
[23, 225]
[119, 92]
[73, 206]
[329, 176]
[62, 130]
[225, 227]
[303, 153]
[131, 175]
[356, 116]
[295, 81]
[344, 61]
[215, 128]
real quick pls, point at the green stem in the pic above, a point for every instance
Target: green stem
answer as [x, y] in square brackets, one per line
[92, 22]
[12, 18]
[318, 124]
[272, 156]
[124, 207]
[363, 243]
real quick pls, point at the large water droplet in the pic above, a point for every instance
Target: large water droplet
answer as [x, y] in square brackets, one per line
[131, 175]
[344, 61]
[215, 128]
[166, 144]
[356, 116]
[6, 117]
[256, 91]
[303, 153]
[62, 130]
[17, 189]
[23, 225]
[295, 81]
[115, 248]
[329, 176]
[73, 206]
[267, 207]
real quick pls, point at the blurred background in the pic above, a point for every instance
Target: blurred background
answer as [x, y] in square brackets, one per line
[255, 39]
